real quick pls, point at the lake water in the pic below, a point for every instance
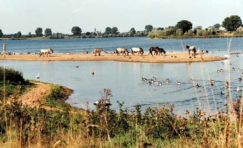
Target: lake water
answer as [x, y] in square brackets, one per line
[124, 79]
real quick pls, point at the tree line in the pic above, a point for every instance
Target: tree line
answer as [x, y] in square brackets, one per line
[182, 28]
[232, 24]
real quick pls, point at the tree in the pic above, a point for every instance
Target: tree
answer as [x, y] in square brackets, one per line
[184, 25]
[132, 31]
[19, 34]
[217, 26]
[1, 33]
[88, 33]
[160, 28]
[76, 30]
[149, 28]
[232, 23]
[38, 31]
[108, 30]
[114, 30]
[48, 32]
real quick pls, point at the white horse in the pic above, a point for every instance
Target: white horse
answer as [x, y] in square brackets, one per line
[46, 51]
[138, 50]
[191, 48]
[122, 50]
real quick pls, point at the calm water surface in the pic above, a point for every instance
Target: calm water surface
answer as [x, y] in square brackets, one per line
[124, 79]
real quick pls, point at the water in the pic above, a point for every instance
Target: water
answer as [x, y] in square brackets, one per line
[124, 79]
[110, 44]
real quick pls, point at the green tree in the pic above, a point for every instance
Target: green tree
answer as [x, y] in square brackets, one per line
[217, 26]
[114, 30]
[19, 34]
[149, 28]
[38, 31]
[232, 23]
[48, 32]
[1, 33]
[76, 30]
[108, 30]
[88, 33]
[132, 31]
[184, 25]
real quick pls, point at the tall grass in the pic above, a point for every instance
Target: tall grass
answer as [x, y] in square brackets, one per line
[64, 126]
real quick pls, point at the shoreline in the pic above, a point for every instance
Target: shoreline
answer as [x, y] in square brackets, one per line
[171, 57]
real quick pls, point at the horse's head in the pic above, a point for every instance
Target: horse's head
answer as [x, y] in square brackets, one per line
[187, 46]
[51, 50]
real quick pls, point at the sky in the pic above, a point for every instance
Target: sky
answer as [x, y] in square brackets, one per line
[62, 15]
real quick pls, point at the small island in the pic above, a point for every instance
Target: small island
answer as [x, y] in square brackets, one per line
[171, 57]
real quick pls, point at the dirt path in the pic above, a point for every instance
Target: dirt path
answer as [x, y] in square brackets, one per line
[34, 97]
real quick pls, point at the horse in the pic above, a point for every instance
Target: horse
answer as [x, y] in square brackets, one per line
[97, 51]
[156, 50]
[160, 51]
[122, 50]
[191, 48]
[138, 50]
[46, 51]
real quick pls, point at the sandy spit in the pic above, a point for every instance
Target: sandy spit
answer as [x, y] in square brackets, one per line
[172, 57]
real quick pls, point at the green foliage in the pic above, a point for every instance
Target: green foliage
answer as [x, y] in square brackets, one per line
[114, 30]
[19, 34]
[132, 31]
[108, 30]
[1, 33]
[217, 26]
[11, 76]
[48, 32]
[232, 23]
[38, 32]
[184, 25]
[149, 28]
[76, 31]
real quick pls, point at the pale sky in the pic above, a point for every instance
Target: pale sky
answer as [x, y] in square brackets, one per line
[62, 15]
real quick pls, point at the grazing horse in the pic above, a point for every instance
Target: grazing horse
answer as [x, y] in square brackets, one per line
[193, 49]
[97, 51]
[156, 50]
[122, 50]
[138, 50]
[160, 51]
[46, 52]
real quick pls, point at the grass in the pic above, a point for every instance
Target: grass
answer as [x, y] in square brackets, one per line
[64, 126]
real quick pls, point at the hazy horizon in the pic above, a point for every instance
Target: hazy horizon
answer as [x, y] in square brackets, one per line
[62, 15]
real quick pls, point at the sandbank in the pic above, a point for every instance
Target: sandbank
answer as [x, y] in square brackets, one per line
[171, 57]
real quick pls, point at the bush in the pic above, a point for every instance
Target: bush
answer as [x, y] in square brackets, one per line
[11, 76]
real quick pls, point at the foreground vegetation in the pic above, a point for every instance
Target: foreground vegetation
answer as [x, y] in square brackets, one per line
[64, 126]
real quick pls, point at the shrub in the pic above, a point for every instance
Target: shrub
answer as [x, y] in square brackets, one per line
[11, 76]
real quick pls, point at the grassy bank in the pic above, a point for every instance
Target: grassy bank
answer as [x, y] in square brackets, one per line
[55, 124]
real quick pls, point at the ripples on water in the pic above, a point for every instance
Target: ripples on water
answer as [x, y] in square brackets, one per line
[124, 79]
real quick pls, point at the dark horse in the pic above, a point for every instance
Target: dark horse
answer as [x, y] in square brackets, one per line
[191, 48]
[157, 51]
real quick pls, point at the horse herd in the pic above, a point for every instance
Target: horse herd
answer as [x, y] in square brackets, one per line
[124, 51]
[152, 50]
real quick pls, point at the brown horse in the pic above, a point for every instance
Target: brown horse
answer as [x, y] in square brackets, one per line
[97, 51]
[156, 51]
